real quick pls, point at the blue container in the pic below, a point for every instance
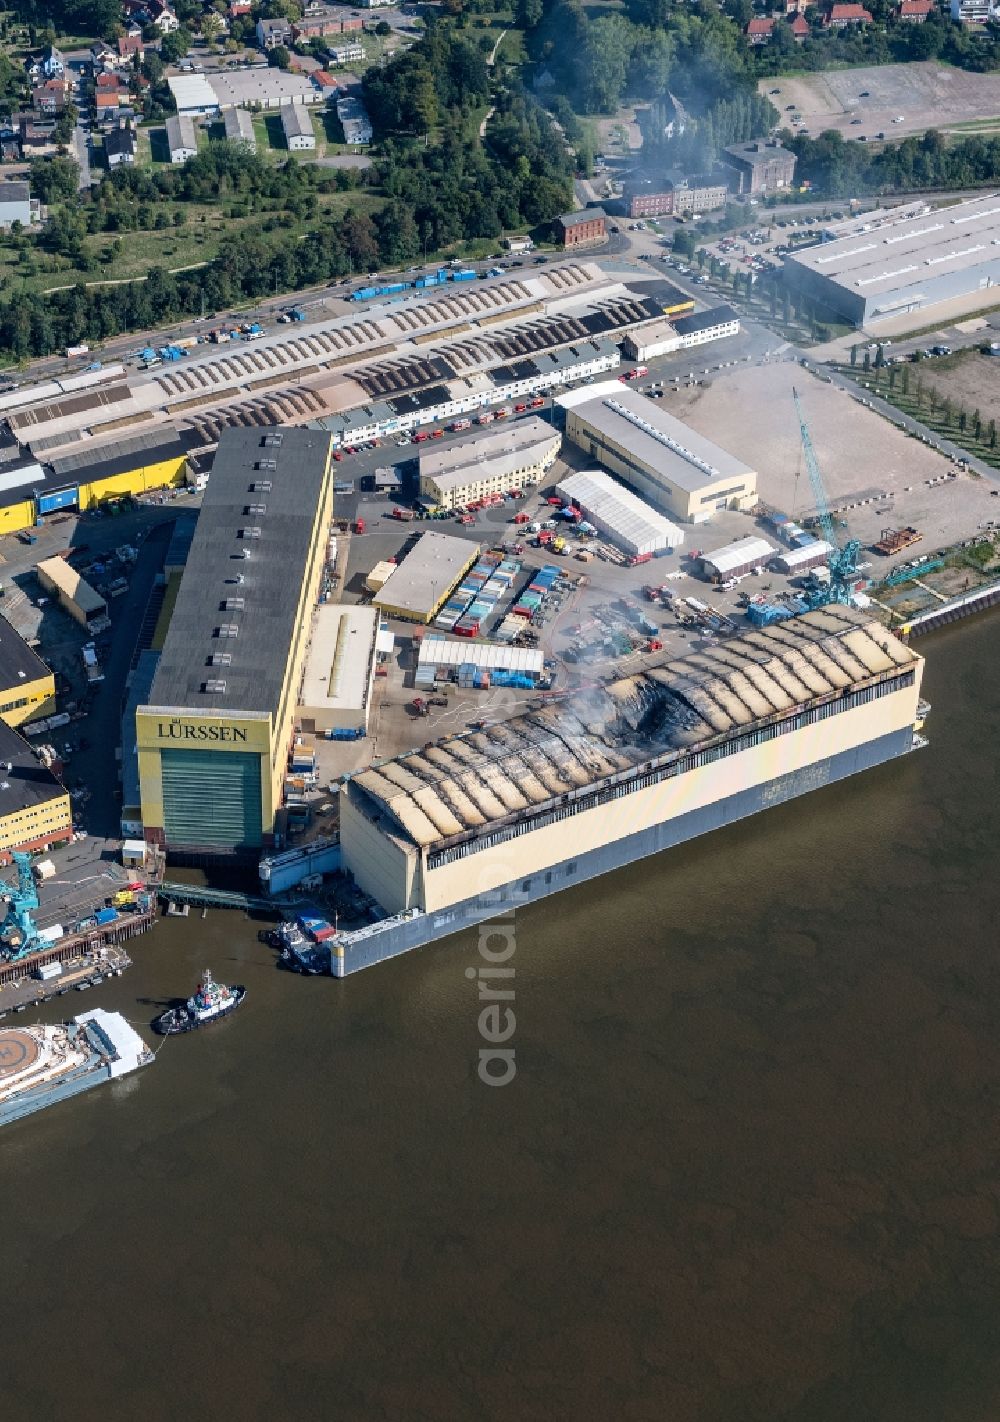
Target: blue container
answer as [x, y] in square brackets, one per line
[105, 916]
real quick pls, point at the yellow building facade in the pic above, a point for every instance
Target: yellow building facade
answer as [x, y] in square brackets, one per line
[214, 740]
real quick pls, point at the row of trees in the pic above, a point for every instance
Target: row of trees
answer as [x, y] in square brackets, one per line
[249, 266]
[838, 168]
[695, 146]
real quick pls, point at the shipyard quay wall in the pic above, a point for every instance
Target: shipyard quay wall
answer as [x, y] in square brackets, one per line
[530, 805]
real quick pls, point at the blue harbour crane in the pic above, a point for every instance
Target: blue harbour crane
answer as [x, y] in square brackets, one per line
[19, 932]
[843, 562]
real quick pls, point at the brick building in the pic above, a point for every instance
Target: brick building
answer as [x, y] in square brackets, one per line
[588, 228]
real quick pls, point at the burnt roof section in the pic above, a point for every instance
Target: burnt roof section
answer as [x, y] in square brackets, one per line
[283, 472]
[476, 782]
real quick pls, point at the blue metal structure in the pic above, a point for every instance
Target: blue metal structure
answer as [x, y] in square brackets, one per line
[843, 562]
[19, 932]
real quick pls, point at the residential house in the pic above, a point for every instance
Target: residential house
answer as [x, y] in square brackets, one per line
[238, 9]
[182, 141]
[800, 29]
[15, 204]
[35, 134]
[53, 63]
[797, 7]
[346, 54]
[163, 18]
[131, 47]
[120, 145]
[844, 16]
[975, 12]
[759, 31]
[915, 12]
[271, 34]
[104, 59]
[50, 97]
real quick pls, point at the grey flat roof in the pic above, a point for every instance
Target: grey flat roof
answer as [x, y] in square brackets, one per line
[28, 782]
[19, 663]
[297, 121]
[428, 571]
[911, 250]
[181, 132]
[588, 214]
[495, 453]
[272, 574]
[14, 192]
[652, 437]
[239, 126]
[704, 320]
[758, 150]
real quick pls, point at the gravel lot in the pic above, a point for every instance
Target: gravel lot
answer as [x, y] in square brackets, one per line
[750, 412]
[926, 95]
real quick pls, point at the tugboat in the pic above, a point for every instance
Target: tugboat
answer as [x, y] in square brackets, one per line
[210, 1002]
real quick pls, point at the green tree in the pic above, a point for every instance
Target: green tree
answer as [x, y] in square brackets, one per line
[279, 57]
[977, 425]
[176, 45]
[854, 356]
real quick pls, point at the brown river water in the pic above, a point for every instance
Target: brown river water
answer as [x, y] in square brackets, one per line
[747, 1169]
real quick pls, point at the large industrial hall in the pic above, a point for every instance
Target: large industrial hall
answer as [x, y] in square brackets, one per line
[214, 738]
[555, 796]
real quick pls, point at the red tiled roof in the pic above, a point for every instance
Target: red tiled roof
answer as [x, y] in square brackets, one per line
[800, 26]
[324, 80]
[917, 7]
[108, 101]
[108, 81]
[850, 12]
[760, 27]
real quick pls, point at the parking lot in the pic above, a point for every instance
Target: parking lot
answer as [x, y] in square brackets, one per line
[888, 100]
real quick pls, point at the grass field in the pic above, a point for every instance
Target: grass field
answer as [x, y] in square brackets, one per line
[172, 247]
[952, 396]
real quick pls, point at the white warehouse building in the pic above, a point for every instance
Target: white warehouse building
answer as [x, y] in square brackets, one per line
[737, 558]
[445, 655]
[630, 523]
[674, 466]
[913, 264]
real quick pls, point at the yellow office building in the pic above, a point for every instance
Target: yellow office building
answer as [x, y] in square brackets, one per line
[214, 739]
